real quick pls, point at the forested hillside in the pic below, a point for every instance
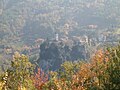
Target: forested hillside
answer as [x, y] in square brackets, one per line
[25, 24]
[102, 72]
[23, 21]
[59, 45]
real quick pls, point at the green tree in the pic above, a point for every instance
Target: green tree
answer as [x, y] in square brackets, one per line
[62, 79]
[112, 81]
[18, 76]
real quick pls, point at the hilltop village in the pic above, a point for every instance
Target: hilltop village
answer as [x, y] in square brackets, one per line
[61, 48]
[56, 51]
[102, 38]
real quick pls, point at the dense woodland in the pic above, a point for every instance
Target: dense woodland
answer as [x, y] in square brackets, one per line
[59, 45]
[102, 72]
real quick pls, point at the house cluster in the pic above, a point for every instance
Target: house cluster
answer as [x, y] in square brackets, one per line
[109, 37]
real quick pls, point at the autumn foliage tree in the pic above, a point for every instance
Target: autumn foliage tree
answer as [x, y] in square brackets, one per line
[112, 79]
[39, 79]
[18, 76]
[88, 77]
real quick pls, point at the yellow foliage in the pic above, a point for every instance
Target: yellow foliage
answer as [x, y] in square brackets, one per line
[1, 85]
[21, 88]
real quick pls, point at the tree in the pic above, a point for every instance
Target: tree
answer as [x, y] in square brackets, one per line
[39, 79]
[18, 76]
[62, 79]
[112, 81]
